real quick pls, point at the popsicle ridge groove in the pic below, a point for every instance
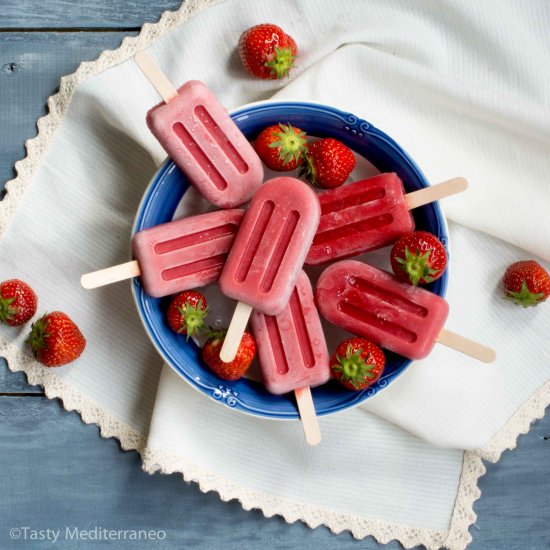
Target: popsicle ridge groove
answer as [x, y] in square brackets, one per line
[352, 200]
[209, 124]
[199, 155]
[297, 312]
[387, 296]
[257, 235]
[276, 342]
[322, 237]
[377, 322]
[200, 266]
[195, 239]
[278, 254]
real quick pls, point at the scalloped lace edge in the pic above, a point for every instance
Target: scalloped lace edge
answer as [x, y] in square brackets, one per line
[59, 102]
[457, 538]
[519, 424]
[72, 400]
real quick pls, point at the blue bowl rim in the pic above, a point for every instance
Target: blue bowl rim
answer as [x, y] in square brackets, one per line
[346, 117]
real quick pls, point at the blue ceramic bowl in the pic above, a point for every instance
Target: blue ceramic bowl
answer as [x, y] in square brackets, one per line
[165, 192]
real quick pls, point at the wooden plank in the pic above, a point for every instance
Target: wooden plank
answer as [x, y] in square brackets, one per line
[56, 471]
[15, 382]
[514, 508]
[31, 65]
[82, 13]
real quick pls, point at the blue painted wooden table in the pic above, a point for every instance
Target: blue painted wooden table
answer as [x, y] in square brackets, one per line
[56, 472]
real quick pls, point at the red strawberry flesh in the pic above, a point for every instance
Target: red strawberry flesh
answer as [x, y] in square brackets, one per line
[266, 51]
[18, 302]
[526, 283]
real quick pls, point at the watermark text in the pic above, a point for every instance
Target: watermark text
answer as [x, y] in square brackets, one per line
[74, 533]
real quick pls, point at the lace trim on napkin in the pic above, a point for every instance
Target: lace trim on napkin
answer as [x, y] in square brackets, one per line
[59, 103]
[72, 400]
[458, 536]
[291, 510]
[520, 423]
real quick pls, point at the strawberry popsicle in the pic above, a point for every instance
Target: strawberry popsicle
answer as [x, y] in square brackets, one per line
[369, 214]
[402, 318]
[202, 140]
[293, 354]
[268, 253]
[291, 346]
[177, 255]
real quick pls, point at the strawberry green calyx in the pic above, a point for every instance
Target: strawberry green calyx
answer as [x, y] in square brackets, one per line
[308, 170]
[7, 312]
[216, 333]
[292, 144]
[193, 318]
[38, 335]
[281, 63]
[416, 266]
[525, 297]
[354, 368]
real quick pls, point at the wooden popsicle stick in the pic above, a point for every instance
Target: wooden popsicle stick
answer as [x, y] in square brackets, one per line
[235, 332]
[155, 76]
[435, 192]
[467, 346]
[111, 275]
[308, 415]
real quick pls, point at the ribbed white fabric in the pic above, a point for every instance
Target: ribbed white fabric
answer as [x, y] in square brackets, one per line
[462, 86]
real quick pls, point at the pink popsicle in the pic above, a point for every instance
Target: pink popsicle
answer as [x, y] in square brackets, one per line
[200, 137]
[186, 253]
[370, 214]
[359, 217]
[268, 253]
[372, 303]
[176, 256]
[271, 245]
[292, 350]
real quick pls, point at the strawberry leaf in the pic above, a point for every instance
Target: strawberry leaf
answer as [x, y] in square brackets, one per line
[193, 318]
[525, 297]
[416, 265]
[282, 62]
[354, 368]
[38, 335]
[292, 144]
[308, 170]
[7, 311]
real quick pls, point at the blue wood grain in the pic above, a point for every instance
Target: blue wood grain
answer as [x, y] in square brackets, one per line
[57, 472]
[15, 382]
[81, 13]
[31, 65]
[514, 509]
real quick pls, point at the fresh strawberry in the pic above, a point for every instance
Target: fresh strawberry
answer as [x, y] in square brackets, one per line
[186, 312]
[418, 258]
[527, 283]
[17, 302]
[55, 339]
[236, 368]
[281, 147]
[357, 363]
[328, 163]
[266, 51]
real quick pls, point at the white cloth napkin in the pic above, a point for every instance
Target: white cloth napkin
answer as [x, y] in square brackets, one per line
[461, 86]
